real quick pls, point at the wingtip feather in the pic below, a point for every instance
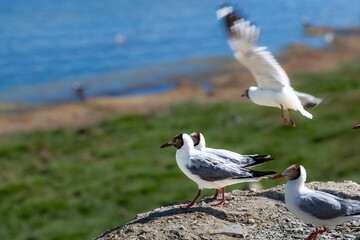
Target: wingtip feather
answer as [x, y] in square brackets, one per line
[223, 11]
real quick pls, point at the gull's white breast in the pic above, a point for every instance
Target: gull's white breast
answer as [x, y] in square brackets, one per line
[274, 97]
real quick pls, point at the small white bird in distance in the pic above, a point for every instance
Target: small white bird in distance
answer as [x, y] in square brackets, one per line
[273, 88]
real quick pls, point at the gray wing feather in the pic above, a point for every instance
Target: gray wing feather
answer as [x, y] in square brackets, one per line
[212, 168]
[242, 160]
[327, 206]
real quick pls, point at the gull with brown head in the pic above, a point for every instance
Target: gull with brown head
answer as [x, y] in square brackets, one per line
[316, 207]
[208, 170]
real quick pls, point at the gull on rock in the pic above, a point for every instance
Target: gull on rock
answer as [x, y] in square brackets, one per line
[208, 170]
[273, 88]
[229, 156]
[316, 207]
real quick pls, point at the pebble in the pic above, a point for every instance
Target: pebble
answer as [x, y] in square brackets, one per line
[300, 236]
[242, 209]
[251, 221]
[297, 230]
[172, 227]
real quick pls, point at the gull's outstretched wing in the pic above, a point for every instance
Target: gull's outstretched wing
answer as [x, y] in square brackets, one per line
[242, 39]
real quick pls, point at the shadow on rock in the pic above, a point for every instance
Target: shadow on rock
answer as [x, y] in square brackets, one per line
[173, 211]
[177, 211]
[271, 194]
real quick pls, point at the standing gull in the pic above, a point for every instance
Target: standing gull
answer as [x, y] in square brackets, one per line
[273, 88]
[209, 170]
[236, 158]
[316, 207]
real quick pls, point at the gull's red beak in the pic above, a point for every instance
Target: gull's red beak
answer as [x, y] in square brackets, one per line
[243, 95]
[165, 145]
[278, 176]
[356, 127]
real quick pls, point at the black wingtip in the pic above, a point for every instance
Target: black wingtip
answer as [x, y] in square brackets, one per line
[261, 173]
[259, 159]
[229, 15]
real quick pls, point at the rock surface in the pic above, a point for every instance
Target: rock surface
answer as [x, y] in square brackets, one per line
[245, 215]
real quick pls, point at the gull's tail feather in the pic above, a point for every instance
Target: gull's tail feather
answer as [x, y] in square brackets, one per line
[306, 113]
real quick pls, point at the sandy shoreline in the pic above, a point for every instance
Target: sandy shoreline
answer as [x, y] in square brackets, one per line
[228, 81]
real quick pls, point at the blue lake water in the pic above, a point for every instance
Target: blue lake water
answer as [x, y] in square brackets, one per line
[46, 45]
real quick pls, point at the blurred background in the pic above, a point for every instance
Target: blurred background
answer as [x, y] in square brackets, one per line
[89, 90]
[121, 47]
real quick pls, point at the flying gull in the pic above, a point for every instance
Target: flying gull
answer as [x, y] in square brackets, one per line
[273, 88]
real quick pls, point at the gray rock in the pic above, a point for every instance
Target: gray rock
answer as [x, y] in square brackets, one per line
[234, 230]
[300, 236]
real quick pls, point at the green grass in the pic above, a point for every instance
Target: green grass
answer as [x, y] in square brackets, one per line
[75, 184]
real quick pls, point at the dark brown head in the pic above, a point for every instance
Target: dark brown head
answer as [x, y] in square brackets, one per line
[177, 142]
[246, 93]
[196, 138]
[292, 173]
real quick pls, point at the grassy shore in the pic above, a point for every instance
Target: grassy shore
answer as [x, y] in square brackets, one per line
[75, 184]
